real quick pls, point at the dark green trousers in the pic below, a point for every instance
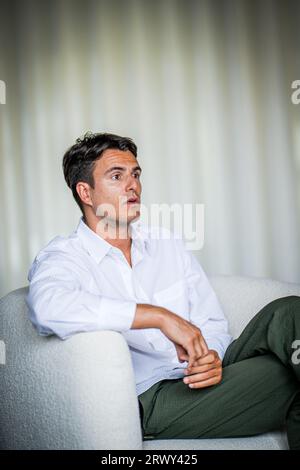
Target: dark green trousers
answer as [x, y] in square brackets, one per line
[259, 391]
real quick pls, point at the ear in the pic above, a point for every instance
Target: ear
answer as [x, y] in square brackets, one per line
[84, 192]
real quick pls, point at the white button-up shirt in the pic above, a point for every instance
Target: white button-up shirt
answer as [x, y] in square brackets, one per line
[82, 283]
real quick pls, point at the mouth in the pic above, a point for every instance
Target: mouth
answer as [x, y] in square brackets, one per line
[133, 200]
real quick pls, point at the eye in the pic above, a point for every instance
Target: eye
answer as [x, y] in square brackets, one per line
[137, 175]
[116, 176]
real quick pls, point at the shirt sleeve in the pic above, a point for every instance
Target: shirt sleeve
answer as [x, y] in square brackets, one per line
[205, 310]
[58, 304]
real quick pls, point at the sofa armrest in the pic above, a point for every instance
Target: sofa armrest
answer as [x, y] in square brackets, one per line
[73, 394]
[243, 296]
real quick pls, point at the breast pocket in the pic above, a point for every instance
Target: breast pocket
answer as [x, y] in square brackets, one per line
[174, 298]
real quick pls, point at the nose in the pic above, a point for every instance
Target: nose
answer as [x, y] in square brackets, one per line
[132, 184]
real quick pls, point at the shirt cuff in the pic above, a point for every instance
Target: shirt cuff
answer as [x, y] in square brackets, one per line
[118, 315]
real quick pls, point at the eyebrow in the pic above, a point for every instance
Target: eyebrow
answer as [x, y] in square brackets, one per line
[121, 168]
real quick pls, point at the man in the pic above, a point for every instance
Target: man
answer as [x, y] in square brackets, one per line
[113, 273]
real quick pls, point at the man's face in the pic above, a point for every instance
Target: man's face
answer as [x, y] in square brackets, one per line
[116, 182]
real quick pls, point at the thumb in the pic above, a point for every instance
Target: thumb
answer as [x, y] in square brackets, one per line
[181, 353]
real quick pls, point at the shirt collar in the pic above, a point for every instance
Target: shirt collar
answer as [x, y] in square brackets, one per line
[97, 247]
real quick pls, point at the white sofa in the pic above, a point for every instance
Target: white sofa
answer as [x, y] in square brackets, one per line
[80, 393]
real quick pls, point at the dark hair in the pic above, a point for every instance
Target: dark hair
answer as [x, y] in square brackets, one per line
[79, 160]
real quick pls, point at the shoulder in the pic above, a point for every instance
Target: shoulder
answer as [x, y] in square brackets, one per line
[59, 246]
[59, 253]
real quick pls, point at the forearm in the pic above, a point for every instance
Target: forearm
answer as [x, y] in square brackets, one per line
[149, 316]
[187, 338]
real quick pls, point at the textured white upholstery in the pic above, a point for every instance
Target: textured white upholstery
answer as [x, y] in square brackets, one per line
[80, 393]
[73, 394]
[242, 297]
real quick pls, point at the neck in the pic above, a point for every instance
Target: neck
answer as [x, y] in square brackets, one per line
[114, 232]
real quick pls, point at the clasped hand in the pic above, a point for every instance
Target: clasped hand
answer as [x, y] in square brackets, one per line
[205, 372]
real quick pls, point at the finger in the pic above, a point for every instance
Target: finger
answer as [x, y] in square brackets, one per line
[181, 353]
[206, 383]
[200, 369]
[204, 346]
[185, 358]
[200, 377]
[209, 358]
[198, 348]
[192, 354]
